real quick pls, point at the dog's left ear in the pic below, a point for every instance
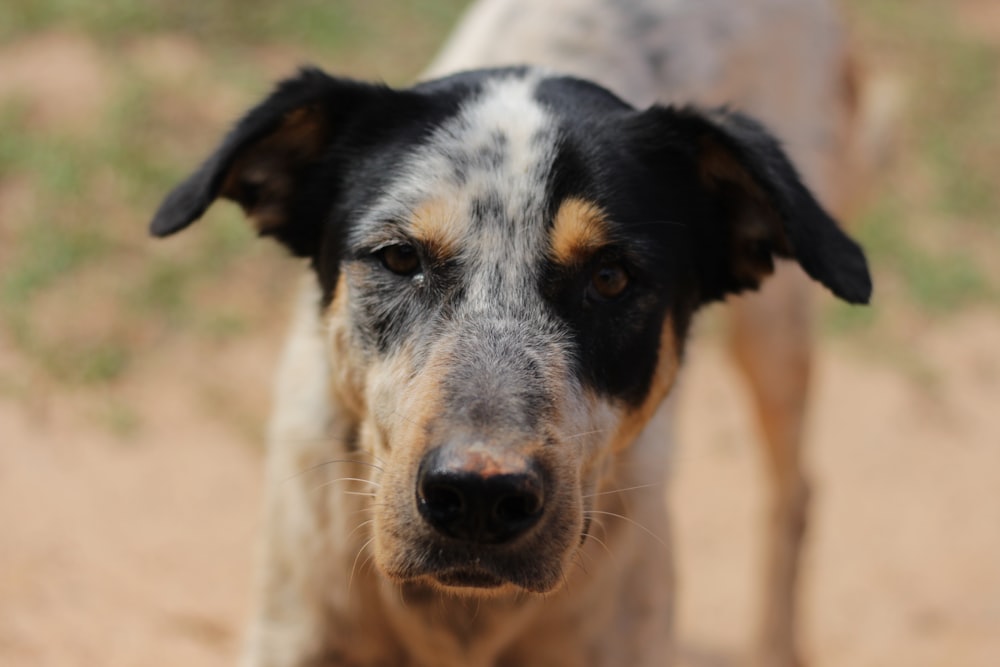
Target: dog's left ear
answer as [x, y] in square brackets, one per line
[753, 204]
[283, 161]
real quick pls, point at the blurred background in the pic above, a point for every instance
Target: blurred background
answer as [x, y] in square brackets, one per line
[134, 375]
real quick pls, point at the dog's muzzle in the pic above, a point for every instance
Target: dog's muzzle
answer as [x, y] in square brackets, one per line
[488, 503]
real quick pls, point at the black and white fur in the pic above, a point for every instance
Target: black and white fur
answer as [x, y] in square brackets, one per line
[505, 264]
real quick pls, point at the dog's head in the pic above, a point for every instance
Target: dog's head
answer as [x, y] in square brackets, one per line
[509, 262]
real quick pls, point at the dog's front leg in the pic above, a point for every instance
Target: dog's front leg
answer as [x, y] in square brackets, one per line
[289, 621]
[288, 628]
[772, 343]
[307, 610]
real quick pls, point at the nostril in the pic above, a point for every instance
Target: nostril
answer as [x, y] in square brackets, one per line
[517, 508]
[443, 499]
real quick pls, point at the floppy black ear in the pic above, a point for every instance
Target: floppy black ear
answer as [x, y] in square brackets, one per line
[757, 207]
[277, 162]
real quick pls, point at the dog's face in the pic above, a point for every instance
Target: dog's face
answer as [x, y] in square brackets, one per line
[509, 262]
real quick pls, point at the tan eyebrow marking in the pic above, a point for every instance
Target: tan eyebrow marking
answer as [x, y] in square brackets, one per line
[580, 228]
[438, 225]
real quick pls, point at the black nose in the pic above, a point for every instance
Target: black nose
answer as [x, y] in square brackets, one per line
[479, 499]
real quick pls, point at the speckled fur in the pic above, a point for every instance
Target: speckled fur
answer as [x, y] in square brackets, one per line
[368, 418]
[786, 62]
[339, 580]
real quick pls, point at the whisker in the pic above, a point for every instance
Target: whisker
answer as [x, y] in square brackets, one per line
[358, 527]
[358, 479]
[599, 541]
[597, 522]
[634, 523]
[402, 596]
[586, 433]
[404, 417]
[579, 564]
[370, 508]
[565, 580]
[350, 580]
[323, 464]
[369, 563]
[582, 553]
[348, 479]
[330, 440]
[628, 488]
[318, 439]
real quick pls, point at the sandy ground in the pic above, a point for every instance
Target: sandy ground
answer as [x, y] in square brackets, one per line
[133, 545]
[137, 550]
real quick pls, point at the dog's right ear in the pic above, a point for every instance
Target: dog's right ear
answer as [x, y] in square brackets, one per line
[278, 163]
[755, 208]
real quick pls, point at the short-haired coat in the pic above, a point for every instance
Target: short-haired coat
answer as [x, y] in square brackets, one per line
[505, 264]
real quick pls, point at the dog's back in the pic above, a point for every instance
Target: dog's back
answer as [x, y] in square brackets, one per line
[783, 61]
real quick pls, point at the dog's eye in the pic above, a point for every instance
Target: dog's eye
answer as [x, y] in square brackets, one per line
[608, 281]
[402, 259]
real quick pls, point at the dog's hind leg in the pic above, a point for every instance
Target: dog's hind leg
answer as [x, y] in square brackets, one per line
[772, 342]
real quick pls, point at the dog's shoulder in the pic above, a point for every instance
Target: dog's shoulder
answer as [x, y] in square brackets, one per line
[301, 390]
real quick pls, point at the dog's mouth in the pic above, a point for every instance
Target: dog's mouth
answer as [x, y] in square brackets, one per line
[469, 577]
[464, 570]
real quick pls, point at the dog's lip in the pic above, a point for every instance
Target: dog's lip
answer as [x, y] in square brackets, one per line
[468, 577]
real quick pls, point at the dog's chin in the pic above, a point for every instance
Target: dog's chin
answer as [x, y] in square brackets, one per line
[475, 580]
[472, 583]
[469, 578]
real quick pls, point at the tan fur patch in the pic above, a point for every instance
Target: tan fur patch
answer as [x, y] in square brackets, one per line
[663, 380]
[716, 164]
[438, 226]
[347, 379]
[579, 230]
[401, 407]
[756, 219]
[261, 178]
[401, 403]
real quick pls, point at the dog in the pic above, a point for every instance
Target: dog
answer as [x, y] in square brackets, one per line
[473, 403]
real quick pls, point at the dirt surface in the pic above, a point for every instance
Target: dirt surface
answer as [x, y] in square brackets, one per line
[903, 559]
[138, 550]
[127, 538]
[60, 77]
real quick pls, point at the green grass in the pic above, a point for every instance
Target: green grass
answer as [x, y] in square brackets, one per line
[953, 101]
[47, 254]
[961, 139]
[940, 196]
[939, 280]
[119, 418]
[321, 27]
[233, 21]
[93, 193]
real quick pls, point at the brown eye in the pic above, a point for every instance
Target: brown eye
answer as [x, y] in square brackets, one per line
[401, 259]
[609, 281]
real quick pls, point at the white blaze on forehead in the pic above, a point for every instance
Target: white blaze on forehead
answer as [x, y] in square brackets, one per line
[487, 172]
[508, 239]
